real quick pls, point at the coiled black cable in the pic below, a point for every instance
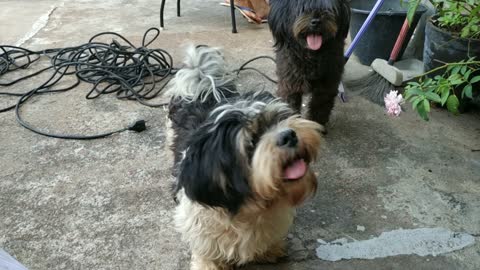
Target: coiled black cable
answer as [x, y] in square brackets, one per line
[129, 72]
[120, 68]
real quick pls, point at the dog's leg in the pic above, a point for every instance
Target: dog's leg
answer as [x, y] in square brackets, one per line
[274, 253]
[200, 263]
[295, 101]
[321, 103]
[292, 97]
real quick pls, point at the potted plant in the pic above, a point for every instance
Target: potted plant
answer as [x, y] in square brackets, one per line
[451, 57]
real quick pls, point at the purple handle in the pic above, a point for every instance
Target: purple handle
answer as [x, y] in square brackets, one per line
[364, 27]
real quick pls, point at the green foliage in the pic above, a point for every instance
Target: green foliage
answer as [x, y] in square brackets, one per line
[443, 90]
[412, 7]
[455, 16]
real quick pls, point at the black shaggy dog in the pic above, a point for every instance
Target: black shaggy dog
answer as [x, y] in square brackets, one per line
[309, 41]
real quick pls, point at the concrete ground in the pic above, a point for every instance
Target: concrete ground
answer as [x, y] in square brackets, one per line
[105, 204]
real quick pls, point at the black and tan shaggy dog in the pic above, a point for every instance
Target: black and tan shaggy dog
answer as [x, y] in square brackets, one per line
[309, 41]
[242, 165]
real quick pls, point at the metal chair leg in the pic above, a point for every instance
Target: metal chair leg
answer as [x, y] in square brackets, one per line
[178, 8]
[232, 13]
[162, 7]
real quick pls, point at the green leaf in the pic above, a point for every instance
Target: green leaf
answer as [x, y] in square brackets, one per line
[457, 82]
[463, 70]
[408, 95]
[445, 92]
[433, 96]
[467, 91]
[421, 111]
[416, 91]
[456, 69]
[427, 82]
[426, 104]
[475, 79]
[413, 84]
[465, 32]
[415, 103]
[467, 75]
[454, 76]
[455, 79]
[452, 104]
[412, 7]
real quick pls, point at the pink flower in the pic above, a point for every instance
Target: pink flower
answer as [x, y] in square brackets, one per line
[392, 103]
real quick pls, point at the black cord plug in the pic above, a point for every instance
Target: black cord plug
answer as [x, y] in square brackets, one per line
[138, 126]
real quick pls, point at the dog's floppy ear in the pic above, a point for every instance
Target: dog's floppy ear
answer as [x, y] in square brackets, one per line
[278, 21]
[343, 18]
[212, 172]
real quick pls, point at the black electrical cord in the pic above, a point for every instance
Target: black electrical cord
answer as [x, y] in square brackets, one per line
[243, 67]
[129, 72]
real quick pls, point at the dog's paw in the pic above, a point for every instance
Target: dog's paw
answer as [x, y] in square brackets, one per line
[273, 254]
[200, 263]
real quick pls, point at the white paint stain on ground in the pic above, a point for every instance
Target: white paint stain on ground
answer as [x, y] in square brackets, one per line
[360, 228]
[37, 26]
[422, 242]
[7, 262]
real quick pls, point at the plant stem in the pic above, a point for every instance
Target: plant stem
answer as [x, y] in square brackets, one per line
[447, 65]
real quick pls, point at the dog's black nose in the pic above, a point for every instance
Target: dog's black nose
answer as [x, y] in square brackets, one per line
[315, 22]
[287, 138]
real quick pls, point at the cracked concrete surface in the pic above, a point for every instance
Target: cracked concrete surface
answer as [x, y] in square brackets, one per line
[105, 204]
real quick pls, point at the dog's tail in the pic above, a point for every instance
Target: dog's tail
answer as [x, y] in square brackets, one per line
[203, 77]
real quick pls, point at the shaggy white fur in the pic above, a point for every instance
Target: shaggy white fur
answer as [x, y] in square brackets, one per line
[215, 236]
[204, 73]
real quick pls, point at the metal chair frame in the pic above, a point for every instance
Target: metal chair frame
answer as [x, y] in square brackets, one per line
[232, 14]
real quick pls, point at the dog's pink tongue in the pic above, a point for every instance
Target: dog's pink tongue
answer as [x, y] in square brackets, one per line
[296, 170]
[314, 42]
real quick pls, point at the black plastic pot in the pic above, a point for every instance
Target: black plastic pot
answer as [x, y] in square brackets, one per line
[380, 37]
[446, 48]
